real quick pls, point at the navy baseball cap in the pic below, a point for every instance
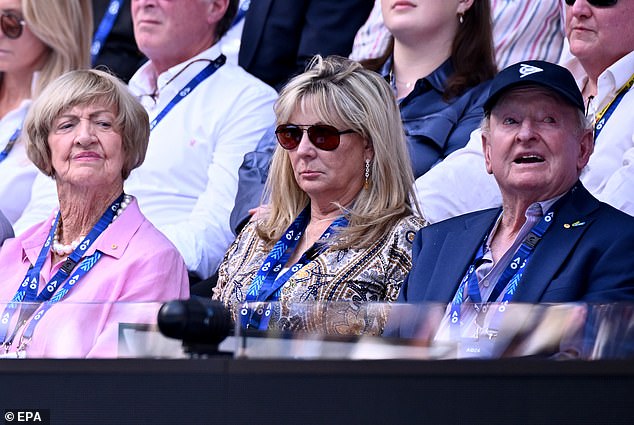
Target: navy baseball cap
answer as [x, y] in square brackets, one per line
[535, 72]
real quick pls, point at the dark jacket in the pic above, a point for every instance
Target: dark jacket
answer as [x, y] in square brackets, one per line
[591, 261]
[119, 53]
[280, 36]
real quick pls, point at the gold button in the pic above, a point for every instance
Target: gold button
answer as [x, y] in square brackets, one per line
[566, 226]
[114, 246]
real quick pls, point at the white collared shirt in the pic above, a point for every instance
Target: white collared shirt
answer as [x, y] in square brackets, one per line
[609, 175]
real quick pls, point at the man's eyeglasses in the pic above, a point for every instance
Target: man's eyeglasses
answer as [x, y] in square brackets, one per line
[324, 137]
[11, 25]
[596, 3]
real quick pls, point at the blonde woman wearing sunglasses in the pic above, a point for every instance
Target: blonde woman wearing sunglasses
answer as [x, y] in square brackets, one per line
[340, 218]
[39, 41]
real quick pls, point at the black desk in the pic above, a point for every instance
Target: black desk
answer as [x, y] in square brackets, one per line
[228, 391]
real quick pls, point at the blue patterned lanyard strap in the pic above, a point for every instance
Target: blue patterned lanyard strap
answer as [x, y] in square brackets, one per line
[104, 29]
[27, 291]
[189, 87]
[510, 278]
[241, 13]
[10, 144]
[604, 115]
[266, 285]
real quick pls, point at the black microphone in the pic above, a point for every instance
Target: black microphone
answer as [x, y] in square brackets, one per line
[201, 323]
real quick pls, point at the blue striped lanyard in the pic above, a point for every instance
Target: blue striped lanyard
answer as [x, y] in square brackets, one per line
[10, 144]
[267, 286]
[510, 278]
[27, 291]
[189, 87]
[241, 13]
[104, 29]
[605, 114]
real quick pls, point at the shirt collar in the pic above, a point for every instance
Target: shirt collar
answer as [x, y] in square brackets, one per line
[436, 79]
[145, 80]
[612, 77]
[544, 205]
[113, 241]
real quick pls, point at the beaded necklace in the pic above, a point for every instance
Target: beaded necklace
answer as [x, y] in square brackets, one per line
[64, 250]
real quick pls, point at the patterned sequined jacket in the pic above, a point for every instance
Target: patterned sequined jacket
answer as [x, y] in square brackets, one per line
[331, 293]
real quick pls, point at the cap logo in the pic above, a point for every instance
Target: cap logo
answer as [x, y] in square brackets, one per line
[528, 70]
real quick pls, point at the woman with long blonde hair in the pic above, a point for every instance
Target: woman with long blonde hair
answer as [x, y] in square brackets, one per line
[341, 212]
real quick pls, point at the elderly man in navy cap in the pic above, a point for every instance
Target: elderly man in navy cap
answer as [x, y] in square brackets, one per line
[551, 241]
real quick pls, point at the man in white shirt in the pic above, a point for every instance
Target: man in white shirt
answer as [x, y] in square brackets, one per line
[601, 40]
[205, 114]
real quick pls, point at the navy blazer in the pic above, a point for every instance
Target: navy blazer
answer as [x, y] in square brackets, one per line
[586, 255]
[280, 36]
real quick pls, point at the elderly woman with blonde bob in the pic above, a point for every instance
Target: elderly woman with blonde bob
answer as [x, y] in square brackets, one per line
[63, 277]
[340, 221]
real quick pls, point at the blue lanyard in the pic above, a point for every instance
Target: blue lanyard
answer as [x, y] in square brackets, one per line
[9, 146]
[266, 286]
[242, 11]
[104, 28]
[510, 278]
[199, 78]
[85, 266]
[27, 291]
[606, 113]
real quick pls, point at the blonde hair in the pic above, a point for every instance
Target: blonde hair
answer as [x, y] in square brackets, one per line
[87, 87]
[340, 92]
[65, 27]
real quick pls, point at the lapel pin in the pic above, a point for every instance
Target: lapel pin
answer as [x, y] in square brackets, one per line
[575, 224]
